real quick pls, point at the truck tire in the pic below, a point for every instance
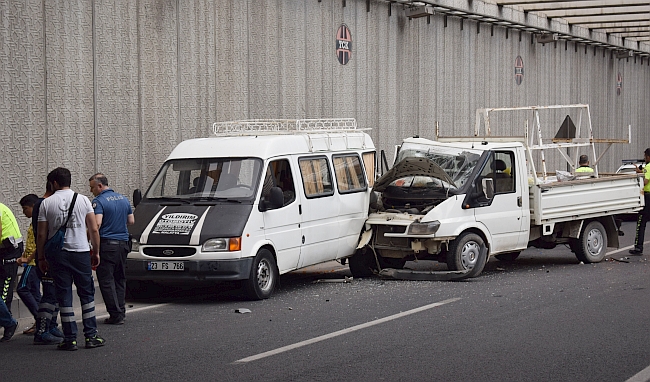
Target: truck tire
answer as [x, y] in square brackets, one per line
[467, 252]
[508, 257]
[362, 264]
[263, 276]
[592, 243]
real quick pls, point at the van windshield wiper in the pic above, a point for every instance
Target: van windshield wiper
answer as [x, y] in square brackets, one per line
[167, 201]
[212, 200]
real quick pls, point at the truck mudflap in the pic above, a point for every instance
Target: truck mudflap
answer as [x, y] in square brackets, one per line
[408, 274]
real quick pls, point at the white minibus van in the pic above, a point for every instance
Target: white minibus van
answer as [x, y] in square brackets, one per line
[258, 199]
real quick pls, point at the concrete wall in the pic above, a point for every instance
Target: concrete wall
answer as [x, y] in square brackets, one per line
[113, 86]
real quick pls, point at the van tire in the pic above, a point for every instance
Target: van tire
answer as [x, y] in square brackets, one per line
[508, 257]
[263, 276]
[468, 251]
[592, 243]
[362, 264]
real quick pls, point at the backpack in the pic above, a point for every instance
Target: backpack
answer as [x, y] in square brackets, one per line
[55, 243]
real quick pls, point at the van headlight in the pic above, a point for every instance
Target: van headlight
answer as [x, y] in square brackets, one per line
[222, 244]
[428, 228]
[135, 245]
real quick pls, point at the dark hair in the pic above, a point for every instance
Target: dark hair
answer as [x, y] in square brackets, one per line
[28, 200]
[583, 159]
[99, 178]
[647, 151]
[61, 176]
[48, 187]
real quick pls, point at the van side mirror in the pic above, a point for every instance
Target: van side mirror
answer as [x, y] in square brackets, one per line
[488, 187]
[137, 197]
[275, 200]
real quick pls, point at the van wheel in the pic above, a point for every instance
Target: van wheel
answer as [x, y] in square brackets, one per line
[263, 276]
[592, 244]
[509, 257]
[467, 252]
[362, 264]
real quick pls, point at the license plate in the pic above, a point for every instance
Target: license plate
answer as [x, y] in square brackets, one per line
[166, 266]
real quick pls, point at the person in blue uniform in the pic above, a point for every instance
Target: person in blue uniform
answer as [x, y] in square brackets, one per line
[113, 213]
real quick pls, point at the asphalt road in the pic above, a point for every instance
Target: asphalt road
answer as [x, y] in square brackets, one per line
[543, 318]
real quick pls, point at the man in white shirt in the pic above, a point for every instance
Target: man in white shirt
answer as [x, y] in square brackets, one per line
[74, 261]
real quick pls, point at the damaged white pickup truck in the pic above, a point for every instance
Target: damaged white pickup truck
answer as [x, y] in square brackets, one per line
[461, 200]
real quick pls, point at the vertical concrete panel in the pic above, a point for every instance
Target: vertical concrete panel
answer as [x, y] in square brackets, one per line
[160, 125]
[23, 132]
[70, 116]
[292, 63]
[232, 56]
[426, 72]
[197, 68]
[328, 26]
[372, 72]
[263, 64]
[407, 75]
[361, 53]
[116, 93]
[389, 35]
[314, 61]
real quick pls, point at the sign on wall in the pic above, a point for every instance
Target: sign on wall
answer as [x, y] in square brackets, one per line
[519, 70]
[619, 83]
[343, 44]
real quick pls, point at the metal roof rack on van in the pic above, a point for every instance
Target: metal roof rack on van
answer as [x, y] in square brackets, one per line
[285, 126]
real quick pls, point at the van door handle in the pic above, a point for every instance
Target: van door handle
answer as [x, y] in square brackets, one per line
[519, 201]
[299, 209]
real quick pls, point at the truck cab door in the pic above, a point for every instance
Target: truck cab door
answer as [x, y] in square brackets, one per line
[503, 214]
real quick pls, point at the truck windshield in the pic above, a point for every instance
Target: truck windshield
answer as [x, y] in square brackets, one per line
[457, 162]
[207, 178]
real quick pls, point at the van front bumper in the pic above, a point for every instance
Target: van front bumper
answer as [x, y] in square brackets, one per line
[201, 270]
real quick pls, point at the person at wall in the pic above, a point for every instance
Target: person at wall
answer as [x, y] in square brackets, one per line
[47, 330]
[113, 213]
[584, 168]
[644, 214]
[73, 262]
[29, 285]
[11, 248]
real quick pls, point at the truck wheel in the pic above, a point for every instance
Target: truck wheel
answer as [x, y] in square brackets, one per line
[263, 277]
[509, 257]
[362, 264]
[467, 252]
[592, 244]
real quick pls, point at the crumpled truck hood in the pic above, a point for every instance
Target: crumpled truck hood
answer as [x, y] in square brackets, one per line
[412, 166]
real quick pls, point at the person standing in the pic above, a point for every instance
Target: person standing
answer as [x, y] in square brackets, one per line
[29, 285]
[74, 262]
[584, 165]
[644, 214]
[47, 330]
[113, 213]
[11, 248]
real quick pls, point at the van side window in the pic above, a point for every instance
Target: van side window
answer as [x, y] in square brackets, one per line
[278, 174]
[349, 175]
[316, 177]
[369, 164]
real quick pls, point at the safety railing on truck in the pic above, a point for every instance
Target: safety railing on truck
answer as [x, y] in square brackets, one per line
[285, 126]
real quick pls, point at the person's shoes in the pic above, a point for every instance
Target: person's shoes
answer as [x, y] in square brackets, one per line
[67, 345]
[9, 332]
[94, 342]
[31, 330]
[114, 320]
[56, 332]
[636, 252]
[47, 338]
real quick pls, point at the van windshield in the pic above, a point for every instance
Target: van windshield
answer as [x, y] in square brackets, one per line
[211, 178]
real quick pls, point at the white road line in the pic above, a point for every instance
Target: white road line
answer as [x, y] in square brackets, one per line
[624, 249]
[642, 376]
[342, 332]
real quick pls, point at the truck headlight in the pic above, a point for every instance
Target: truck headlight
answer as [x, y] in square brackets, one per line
[428, 228]
[222, 244]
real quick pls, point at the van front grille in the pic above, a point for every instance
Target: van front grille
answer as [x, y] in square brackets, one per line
[169, 251]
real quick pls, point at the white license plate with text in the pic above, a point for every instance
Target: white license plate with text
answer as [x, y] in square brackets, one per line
[166, 266]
